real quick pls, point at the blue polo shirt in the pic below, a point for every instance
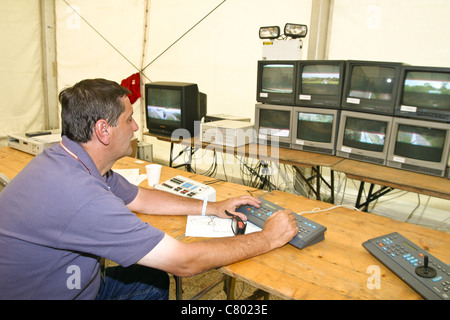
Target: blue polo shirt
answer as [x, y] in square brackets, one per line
[58, 216]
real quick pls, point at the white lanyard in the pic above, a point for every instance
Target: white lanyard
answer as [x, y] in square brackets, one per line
[74, 155]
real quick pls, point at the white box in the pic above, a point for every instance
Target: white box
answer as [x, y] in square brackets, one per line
[229, 133]
[33, 145]
[221, 116]
[185, 187]
[282, 49]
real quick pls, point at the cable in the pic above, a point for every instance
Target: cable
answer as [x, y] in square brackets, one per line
[316, 210]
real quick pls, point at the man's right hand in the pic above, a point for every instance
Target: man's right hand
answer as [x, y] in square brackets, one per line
[280, 227]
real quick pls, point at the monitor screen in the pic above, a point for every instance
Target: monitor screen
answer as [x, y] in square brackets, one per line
[365, 134]
[420, 143]
[315, 127]
[427, 89]
[320, 79]
[164, 104]
[277, 78]
[274, 122]
[372, 82]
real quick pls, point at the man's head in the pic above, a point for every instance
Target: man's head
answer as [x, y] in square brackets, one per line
[87, 102]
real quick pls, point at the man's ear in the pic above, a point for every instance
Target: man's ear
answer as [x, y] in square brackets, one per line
[101, 130]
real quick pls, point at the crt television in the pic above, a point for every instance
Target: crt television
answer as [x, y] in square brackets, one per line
[173, 105]
[276, 81]
[371, 86]
[319, 83]
[315, 129]
[364, 136]
[424, 93]
[273, 124]
[420, 146]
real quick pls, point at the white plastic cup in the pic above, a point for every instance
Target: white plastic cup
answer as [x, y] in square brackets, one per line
[153, 173]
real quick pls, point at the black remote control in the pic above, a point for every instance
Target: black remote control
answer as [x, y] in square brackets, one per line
[427, 275]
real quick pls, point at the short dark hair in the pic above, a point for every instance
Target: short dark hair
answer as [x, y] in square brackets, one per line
[87, 102]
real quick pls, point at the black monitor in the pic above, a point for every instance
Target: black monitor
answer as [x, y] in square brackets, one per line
[420, 146]
[424, 93]
[173, 105]
[273, 124]
[276, 82]
[364, 136]
[371, 86]
[319, 83]
[315, 129]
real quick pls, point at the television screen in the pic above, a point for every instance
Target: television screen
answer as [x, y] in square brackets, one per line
[276, 82]
[420, 143]
[315, 127]
[277, 78]
[365, 134]
[170, 106]
[372, 82]
[274, 122]
[320, 79]
[164, 104]
[427, 89]
[371, 86]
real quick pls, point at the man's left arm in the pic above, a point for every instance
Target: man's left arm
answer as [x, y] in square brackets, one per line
[151, 201]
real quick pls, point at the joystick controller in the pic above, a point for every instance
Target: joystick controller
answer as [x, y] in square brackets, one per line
[426, 274]
[425, 271]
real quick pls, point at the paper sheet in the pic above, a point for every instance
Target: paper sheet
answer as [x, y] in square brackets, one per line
[213, 227]
[132, 175]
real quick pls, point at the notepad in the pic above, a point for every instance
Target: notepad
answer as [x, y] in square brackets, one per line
[213, 227]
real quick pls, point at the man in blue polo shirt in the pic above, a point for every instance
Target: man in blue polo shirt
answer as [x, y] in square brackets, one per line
[67, 209]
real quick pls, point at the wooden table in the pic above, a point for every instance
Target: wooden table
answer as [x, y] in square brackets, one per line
[395, 178]
[389, 179]
[12, 161]
[336, 268]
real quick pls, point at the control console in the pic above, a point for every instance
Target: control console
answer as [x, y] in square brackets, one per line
[427, 275]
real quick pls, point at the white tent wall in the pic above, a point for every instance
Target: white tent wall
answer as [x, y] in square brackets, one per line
[21, 91]
[99, 39]
[409, 31]
[220, 54]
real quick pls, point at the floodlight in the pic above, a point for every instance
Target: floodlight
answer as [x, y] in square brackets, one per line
[295, 30]
[269, 32]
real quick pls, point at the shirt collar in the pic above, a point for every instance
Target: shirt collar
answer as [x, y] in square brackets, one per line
[81, 155]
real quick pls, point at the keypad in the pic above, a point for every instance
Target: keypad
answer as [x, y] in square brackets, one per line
[309, 231]
[408, 257]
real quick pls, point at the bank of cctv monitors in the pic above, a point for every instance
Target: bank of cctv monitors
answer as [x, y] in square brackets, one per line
[386, 113]
[389, 88]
